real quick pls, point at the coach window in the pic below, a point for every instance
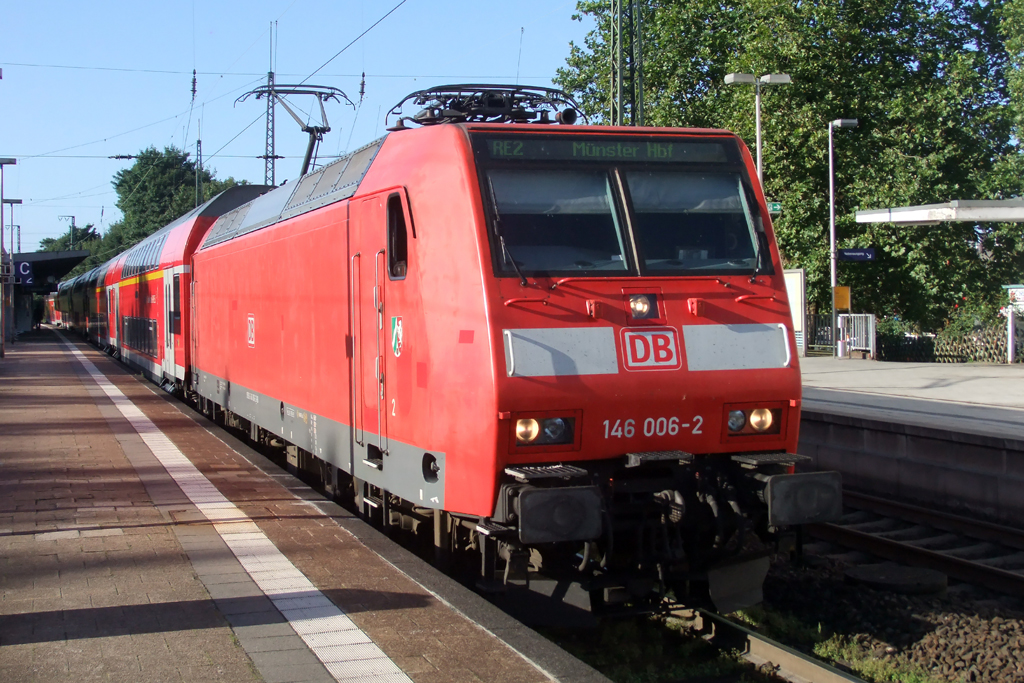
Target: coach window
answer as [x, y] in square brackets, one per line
[398, 239]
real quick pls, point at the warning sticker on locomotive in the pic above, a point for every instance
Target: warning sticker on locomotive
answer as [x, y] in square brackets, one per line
[396, 335]
[653, 348]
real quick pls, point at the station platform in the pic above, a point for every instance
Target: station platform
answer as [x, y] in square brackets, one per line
[138, 542]
[971, 398]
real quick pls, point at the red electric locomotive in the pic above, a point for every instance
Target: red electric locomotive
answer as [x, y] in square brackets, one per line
[564, 347]
[568, 346]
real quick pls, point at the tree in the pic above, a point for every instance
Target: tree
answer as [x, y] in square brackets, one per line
[928, 81]
[69, 242]
[156, 190]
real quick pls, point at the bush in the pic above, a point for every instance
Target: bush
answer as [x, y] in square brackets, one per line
[897, 340]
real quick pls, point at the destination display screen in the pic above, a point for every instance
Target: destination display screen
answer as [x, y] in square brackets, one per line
[607, 149]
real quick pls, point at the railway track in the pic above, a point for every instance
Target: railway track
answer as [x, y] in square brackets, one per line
[972, 551]
[786, 662]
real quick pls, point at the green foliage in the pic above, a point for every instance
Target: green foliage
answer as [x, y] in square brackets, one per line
[892, 326]
[937, 88]
[870, 667]
[833, 648]
[972, 316]
[652, 650]
[84, 238]
[156, 190]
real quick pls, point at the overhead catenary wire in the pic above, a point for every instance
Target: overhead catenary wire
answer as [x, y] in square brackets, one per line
[236, 136]
[127, 132]
[354, 41]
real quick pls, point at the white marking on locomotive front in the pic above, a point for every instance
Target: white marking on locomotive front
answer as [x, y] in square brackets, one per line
[560, 351]
[757, 346]
[330, 634]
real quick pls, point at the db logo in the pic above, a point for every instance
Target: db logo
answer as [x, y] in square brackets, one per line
[651, 349]
[251, 331]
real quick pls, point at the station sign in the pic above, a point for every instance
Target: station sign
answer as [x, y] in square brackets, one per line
[23, 271]
[867, 254]
[841, 297]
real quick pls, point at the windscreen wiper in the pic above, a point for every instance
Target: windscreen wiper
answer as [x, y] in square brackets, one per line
[506, 254]
[761, 267]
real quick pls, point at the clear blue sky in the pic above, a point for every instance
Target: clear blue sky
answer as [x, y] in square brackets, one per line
[86, 80]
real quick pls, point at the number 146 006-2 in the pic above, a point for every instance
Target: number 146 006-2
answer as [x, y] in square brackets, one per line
[652, 426]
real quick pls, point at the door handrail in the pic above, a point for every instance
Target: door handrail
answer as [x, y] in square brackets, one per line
[378, 295]
[357, 356]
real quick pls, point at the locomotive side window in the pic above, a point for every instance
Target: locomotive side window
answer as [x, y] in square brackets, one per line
[686, 221]
[556, 221]
[398, 239]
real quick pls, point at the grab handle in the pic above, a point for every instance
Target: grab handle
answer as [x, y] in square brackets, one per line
[785, 343]
[511, 353]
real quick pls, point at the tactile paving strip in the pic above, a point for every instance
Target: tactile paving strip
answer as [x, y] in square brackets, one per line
[338, 643]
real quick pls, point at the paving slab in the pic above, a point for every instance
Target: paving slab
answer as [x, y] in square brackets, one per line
[975, 398]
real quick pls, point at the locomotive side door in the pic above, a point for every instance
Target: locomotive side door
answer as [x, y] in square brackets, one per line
[370, 343]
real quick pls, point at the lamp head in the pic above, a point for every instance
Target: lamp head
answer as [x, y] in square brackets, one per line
[844, 123]
[776, 79]
[733, 78]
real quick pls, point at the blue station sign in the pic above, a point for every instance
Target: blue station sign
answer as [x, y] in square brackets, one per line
[23, 273]
[867, 254]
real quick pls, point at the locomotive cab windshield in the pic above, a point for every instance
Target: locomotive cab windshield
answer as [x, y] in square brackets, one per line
[641, 206]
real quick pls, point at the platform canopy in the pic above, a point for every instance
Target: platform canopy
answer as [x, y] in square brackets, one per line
[49, 267]
[973, 211]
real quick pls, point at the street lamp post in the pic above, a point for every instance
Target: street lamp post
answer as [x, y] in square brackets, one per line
[5, 161]
[766, 79]
[838, 123]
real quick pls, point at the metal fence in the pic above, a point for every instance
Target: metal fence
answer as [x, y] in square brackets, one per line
[855, 332]
[858, 331]
[819, 331]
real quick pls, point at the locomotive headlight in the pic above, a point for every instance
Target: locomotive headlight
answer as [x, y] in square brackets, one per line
[738, 420]
[760, 419]
[554, 429]
[640, 306]
[527, 430]
[545, 431]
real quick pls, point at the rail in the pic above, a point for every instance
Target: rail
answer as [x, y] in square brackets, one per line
[978, 571]
[758, 648]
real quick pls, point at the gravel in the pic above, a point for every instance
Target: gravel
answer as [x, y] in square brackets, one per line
[967, 634]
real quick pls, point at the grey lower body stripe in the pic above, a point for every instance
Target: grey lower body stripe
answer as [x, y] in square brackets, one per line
[347, 653]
